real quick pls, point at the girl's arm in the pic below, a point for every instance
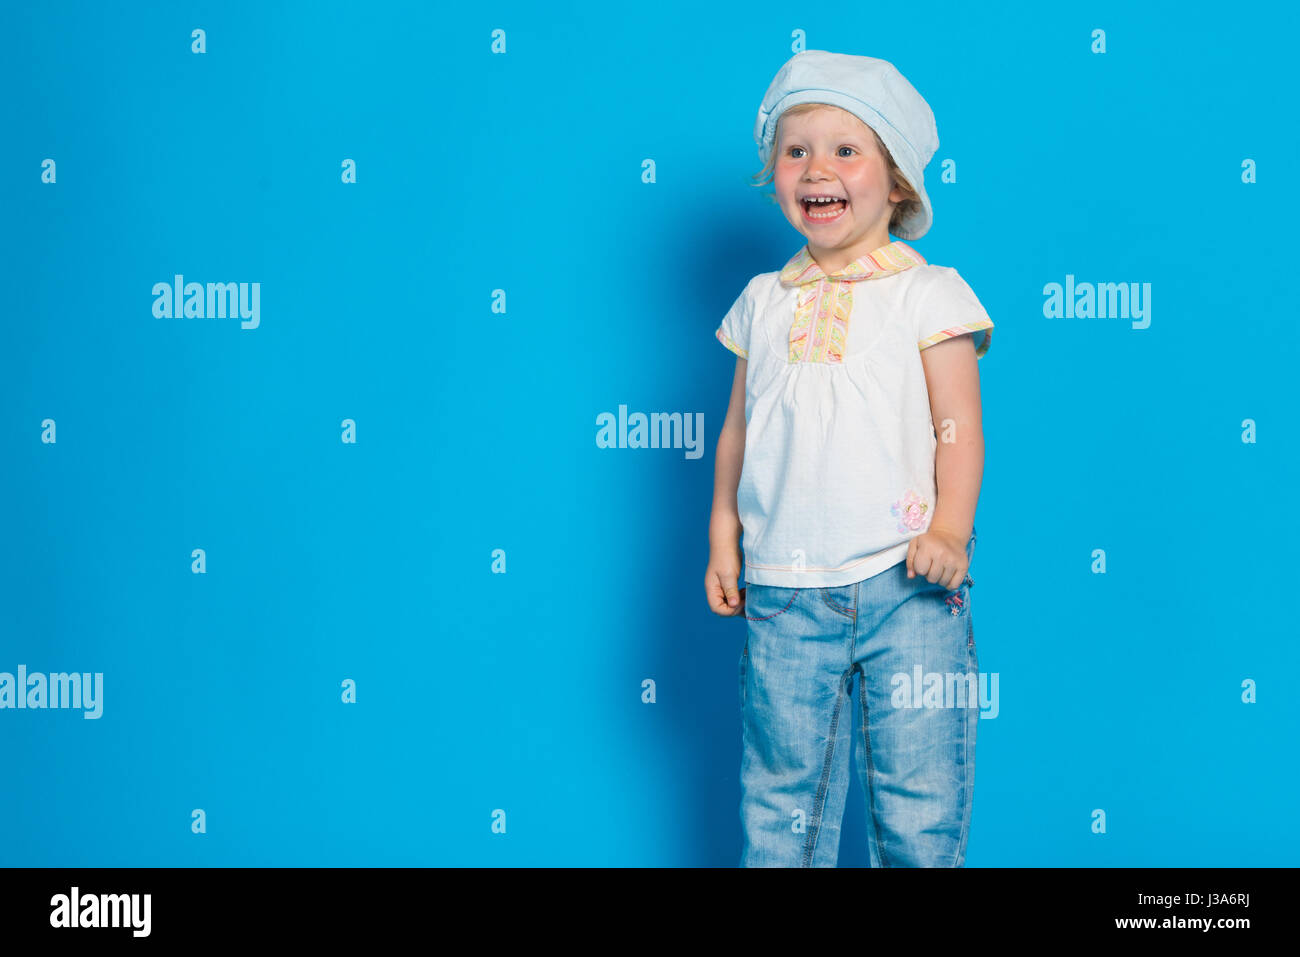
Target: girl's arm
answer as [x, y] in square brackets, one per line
[953, 380]
[723, 574]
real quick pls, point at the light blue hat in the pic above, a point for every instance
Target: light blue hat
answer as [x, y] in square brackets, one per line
[875, 92]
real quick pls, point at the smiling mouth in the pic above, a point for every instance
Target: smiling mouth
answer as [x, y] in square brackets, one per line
[821, 212]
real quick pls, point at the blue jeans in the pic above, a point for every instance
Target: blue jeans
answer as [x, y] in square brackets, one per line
[911, 646]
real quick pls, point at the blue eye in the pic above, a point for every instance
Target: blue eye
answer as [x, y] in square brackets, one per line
[793, 148]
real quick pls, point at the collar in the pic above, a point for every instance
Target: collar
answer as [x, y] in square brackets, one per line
[888, 259]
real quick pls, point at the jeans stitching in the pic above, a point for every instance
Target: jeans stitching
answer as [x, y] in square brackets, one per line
[773, 615]
[819, 802]
[846, 612]
[744, 661]
[874, 823]
[966, 789]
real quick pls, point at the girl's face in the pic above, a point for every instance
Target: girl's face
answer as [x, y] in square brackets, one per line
[829, 152]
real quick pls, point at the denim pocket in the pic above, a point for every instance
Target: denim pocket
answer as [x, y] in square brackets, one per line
[763, 602]
[959, 599]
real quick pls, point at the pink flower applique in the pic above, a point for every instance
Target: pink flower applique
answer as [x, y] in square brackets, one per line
[911, 511]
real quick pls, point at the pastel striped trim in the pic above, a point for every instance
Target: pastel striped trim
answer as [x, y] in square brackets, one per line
[821, 314]
[888, 259]
[824, 303]
[962, 330]
[730, 343]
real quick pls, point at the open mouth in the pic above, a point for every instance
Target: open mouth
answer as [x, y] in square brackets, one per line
[821, 210]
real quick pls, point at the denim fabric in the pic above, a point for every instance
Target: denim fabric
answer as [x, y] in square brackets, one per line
[805, 649]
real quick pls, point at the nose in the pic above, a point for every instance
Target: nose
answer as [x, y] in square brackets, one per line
[815, 170]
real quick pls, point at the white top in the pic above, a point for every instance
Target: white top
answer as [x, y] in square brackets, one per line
[839, 467]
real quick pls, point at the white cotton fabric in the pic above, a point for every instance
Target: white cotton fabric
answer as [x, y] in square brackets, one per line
[839, 464]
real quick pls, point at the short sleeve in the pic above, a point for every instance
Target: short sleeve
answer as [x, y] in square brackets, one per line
[950, 308]
[734, 329]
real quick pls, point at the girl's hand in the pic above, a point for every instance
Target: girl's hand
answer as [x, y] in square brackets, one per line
[720, 581]
[940, 555]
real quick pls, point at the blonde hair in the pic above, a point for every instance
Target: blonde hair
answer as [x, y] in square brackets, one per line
[911, 199]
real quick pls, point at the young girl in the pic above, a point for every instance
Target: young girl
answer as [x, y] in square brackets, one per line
[858, 519]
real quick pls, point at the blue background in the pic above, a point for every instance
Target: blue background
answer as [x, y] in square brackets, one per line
[476, 430]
